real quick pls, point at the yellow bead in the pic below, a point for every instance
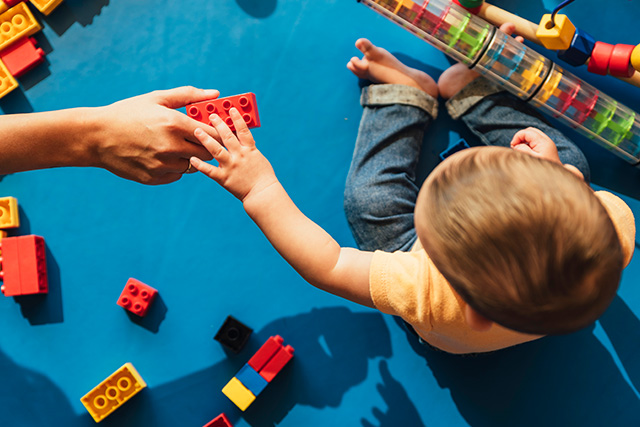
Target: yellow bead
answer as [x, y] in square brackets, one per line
[558, 36]
[635, 58]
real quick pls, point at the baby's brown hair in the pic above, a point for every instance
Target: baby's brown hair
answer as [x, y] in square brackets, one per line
[524, 241]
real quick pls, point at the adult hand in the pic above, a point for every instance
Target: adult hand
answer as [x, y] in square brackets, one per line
[145, 139]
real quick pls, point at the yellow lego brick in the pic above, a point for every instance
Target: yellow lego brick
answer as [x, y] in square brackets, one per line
[16, 23]
[3, 234]
[9, 212]
[3, 6]
[238, 394]
[46, 6]
[556, 37]
[7, 81]
[111, 393]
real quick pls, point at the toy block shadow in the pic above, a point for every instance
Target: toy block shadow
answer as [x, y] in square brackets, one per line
[258, 8]
[72, 11]
[15, 102]
[154, 317]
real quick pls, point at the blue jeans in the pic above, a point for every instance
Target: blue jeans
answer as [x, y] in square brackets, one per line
[381, 188]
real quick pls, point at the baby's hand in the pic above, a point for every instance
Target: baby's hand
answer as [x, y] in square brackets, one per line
[242, 169]
[536, 143]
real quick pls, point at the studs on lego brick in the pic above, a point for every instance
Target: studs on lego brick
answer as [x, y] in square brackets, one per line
[137, 297]
[233, 334]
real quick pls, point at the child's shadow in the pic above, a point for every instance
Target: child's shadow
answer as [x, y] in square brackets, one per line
[563, 380]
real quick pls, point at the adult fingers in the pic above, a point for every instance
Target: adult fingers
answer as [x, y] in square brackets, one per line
[228, 138]
[215, 149]
[181, 96]
[242, 130]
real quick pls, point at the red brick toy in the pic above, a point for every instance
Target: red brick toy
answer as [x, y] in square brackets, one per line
[137, 297]
[244, 103]
[22, 56]
[219, 421]
[24, 266]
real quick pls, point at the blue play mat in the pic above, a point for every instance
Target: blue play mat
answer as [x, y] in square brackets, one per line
[193, 242]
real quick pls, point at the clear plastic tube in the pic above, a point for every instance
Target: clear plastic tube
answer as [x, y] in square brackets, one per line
[522, 71]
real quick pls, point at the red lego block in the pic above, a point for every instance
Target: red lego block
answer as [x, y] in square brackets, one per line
[600, 58]
[266, 352]
[245, 103]
[22, 56]
[11, 3]
[276, 363]
[620, 62]
[137, 297]
[24, 266]
[219, 421]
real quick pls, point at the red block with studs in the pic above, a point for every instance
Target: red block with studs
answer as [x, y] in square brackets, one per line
[245, 103]
[276, 363]
[22, 56]
[137, 297]
[219, 421]
[266, 352]
[620, 62]
[24, 266]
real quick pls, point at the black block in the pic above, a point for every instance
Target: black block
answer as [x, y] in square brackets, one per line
[233, 334]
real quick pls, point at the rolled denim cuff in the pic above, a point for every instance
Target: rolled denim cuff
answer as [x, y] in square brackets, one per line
[388, 94]
[470, 95]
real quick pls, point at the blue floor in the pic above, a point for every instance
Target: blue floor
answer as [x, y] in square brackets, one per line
[192, 241]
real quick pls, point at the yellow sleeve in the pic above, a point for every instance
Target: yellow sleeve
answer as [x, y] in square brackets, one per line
[400, 285]
[623, 221]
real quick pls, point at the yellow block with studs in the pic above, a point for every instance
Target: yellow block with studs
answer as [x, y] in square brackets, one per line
[9, 212]
[558, 36]
[238, 394]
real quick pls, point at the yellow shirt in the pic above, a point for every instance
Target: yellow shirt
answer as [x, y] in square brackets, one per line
[407, 284]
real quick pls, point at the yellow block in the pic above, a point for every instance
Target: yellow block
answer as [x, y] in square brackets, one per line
[556, 37]
[46, 6]
[111, 393]
[16, 23]
[9, 212]
[3, 7]
[7, 81]
[238, 394]
[3, 234]
[635, 58]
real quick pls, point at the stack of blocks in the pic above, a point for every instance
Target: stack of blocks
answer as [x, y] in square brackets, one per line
[258, 372]
[18, 51]
[113, 392]
[23, 263]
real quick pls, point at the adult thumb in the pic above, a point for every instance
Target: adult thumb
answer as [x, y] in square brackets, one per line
[181, 96]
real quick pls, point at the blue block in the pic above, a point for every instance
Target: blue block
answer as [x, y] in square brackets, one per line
[251, 379]
[458, 146]
[580, 50]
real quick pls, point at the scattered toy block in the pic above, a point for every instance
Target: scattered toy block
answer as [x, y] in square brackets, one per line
[233, 334]
[580, 50]
[238, 394]
[3, 7]
[245, 103]
[600, 58]
[46, 6]
[113, 392]
[137, 297]
[219, 421]
[558, 36]
[16, 23]
[458, 146]
[266, 352]
[9, 217]
[277, 362]
[22, 56]
[635, 58]
[7, 81]
[24, 266]
[3, 234]
[253, 381]
[620, 61]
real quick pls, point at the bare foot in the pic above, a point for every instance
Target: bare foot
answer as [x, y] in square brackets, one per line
[454, 78]
[380, 66]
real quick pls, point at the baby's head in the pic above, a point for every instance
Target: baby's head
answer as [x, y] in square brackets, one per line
[522, 240]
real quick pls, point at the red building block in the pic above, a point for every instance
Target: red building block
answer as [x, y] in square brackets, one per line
[219, 421]
[266, 352]
[245, 103]
[276, 363]
[22, 56]
[620, 62]
[24, 266]
[600, 58]
[137, 297]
